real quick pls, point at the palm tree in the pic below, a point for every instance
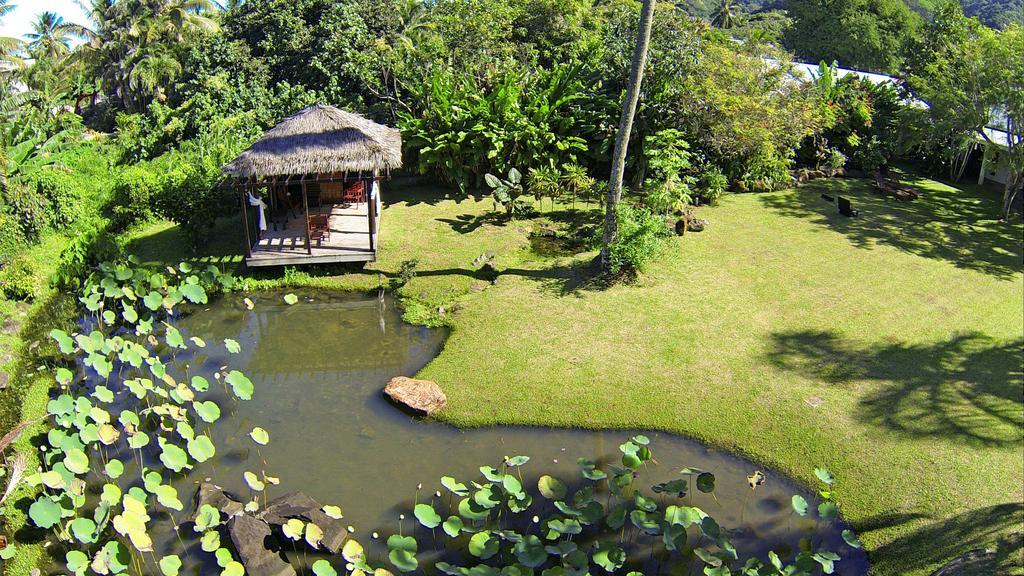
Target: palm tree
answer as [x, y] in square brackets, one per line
[9, 46]
[49, 37]
[130, 44]
[725, 15]
[636, 76]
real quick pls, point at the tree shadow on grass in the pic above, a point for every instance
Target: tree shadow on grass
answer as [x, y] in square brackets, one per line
[969, 388]
[996, 528]
[959, 226]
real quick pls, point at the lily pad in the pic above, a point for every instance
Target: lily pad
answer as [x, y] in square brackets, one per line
[551, 488]
[259, 436]
[427, 516]
[170, 565]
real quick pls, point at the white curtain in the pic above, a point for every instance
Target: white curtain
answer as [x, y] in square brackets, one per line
[254, 201]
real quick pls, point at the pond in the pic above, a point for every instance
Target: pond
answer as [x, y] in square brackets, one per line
[319, 367]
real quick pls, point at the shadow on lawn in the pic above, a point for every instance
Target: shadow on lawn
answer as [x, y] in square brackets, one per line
[958, 226]
[969, 388]
[997, 528]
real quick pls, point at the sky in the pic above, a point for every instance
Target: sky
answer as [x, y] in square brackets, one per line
[19, 22]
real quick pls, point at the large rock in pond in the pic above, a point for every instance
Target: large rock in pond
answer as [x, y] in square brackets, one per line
[257, 548]
[420, 395]
[298, 505]
[209, 493]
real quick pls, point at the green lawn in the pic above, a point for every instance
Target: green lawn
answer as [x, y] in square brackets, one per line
[887, 348]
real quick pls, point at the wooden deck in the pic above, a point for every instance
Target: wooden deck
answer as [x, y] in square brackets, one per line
[349, 239]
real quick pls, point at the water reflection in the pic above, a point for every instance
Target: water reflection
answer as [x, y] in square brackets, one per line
[319, 368]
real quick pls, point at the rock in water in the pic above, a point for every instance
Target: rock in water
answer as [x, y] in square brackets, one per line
[255, 545]
[215, 496]
[298, 505]
[420, 395]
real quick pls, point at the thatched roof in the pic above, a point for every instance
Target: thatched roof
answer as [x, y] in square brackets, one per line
[320, 139]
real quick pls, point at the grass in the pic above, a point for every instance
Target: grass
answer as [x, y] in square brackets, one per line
[887, 348]
[25, 349]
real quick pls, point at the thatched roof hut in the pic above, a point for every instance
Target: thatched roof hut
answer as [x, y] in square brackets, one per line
[313, 178]
[320, 139]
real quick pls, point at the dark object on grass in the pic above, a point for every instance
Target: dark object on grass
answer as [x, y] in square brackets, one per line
[889, 185]
[690, 224]
[847, 209]
[827, 198]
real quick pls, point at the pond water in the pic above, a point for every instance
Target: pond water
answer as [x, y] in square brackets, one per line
[319, 367]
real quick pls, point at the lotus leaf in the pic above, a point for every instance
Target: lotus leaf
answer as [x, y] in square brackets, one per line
[323, 568]
[706, 482]
[232, 346]
[207, 518]
[240, 384]
[293, 528]
[170, 565]
[333, 512]
[84, 530]
[259, 436]
[172, 456]
[314, 535]
[609, 558]
[454, 487]
[551, 488]
[76, 560]
[484, 545]
[799, 505]
[427, 516]
[167, 496]
[352, 552]
[44, 512]
[223, 556]
[210, 542]
[234, 568]
[253, 481]
[76, 461]
[201, 448]
[828, 511]
[290, 299]
[530, 551]
[453, 526]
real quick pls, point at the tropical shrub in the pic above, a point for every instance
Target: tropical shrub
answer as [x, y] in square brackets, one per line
[63, 195]
[90, 246]
[509, 194]
[19, 278]
[669, 183]
[189, 198]
[711, 183]
[641, 236]
[30, 211]
[133, 196]
[460, 130]
[12, 240]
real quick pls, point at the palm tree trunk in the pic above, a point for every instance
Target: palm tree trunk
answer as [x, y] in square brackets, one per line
[636, 76]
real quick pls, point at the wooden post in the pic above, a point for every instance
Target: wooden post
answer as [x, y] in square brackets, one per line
[368, 196]
[245, 222]
[305, 206]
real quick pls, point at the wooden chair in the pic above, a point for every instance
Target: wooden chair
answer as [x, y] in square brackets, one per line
[354, 193]
[319, 227]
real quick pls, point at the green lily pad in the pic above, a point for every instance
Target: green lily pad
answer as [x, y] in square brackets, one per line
[44, 512]
[76, 461]
[484, 545]
[453, 526]
[208, 411]
[291, 299]
[323, 568]
[799, 505]
[170, 565]
[240, 384]
[427, 516]
[259, 436]
[551, 488]
[201, 448]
